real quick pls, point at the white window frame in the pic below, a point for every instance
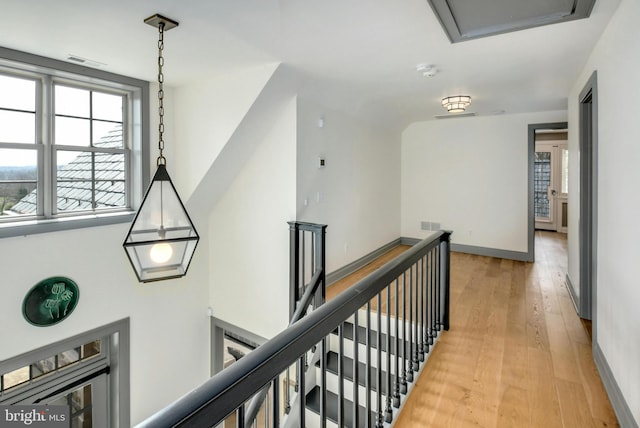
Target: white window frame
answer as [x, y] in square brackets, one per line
[50, 72]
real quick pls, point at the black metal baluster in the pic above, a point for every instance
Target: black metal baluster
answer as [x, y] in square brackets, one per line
[367, 388]
[276, 403]
[426, 299]
[403, 385]
[420, 297]
[409, 278]
[438, 291]
[413, 339]
[432, 319]
[240, 417]
[396, 391]
[302, 398]
[389, 411]
[447, 282]
[341, 375]
[356, 369]
[287, 392]
[379, 417]
[323, 381]
[303, 282]
[266, 411]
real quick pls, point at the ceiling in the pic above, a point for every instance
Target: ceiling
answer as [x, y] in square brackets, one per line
[356, 55]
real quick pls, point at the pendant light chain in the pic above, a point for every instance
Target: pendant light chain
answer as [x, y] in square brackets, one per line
[161, 159]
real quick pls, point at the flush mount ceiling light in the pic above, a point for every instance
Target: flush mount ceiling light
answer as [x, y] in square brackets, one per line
[162, 238]
[457, 103]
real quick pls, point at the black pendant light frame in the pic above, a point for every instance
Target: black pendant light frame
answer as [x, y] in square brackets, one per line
[161, 251]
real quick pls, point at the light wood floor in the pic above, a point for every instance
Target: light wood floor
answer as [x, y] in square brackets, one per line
[517, 355]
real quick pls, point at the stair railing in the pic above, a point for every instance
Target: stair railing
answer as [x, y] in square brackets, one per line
[307, 254]
[408, 298]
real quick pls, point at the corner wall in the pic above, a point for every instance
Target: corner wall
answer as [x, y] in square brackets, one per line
[357, 193]
[616, 58]
[470, 175]
[249, 235]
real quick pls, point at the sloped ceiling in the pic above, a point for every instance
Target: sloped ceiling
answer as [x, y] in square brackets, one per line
[357, 55]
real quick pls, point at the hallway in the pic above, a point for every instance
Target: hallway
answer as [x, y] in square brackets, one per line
[517, 355]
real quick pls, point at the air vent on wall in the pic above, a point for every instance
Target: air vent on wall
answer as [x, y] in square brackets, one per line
[84, 61]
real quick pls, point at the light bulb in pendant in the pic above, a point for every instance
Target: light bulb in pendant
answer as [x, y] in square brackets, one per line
[161, 253]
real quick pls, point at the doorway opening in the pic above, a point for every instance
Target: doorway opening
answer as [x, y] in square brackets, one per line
[545, 176]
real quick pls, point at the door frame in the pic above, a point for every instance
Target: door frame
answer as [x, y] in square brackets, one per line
[588, 223]
[531, 219]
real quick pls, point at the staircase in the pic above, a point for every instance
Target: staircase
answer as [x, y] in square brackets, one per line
[386, 390]
[364, 346]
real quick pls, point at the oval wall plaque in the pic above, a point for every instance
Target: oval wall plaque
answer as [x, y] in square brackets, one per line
[50, 301]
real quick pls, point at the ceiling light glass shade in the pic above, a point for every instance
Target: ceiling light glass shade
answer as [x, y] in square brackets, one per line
[457, 103]
[162, 238]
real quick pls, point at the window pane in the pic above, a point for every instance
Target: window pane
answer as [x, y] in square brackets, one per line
[15, 377]
[18, 94]
[107, 134]
[17, 127]
[81, 402]
[110, 184]
[72, 132]
[42, 367]
[18, 181]
[91, 349]
[74, 175]
[68, 357]
[72, 101]
[107, 106]
[541, 182]
[74, 196]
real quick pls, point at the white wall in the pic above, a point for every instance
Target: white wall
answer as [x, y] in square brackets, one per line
[248, 233]
[470, 175]
[167, 317]
[616, 58]
[359, 186]
[207, 114]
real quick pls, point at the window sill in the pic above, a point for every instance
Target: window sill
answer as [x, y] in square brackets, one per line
[32, 227]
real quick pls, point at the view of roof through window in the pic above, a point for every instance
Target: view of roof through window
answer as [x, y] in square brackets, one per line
[74, 161]
[75, 190]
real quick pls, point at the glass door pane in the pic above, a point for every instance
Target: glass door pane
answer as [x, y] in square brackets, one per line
[541, 184]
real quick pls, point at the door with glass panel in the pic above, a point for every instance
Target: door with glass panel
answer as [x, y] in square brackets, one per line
[551, 185]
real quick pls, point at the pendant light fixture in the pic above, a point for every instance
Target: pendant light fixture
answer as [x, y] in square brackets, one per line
[162, 238]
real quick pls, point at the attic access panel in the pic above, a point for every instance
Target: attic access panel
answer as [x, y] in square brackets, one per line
[471, 19]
